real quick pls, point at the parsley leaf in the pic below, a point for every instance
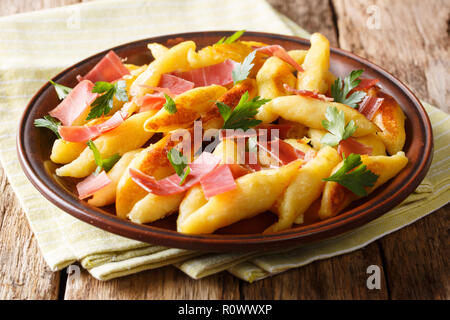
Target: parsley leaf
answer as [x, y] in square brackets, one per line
[241, 71]
[354, 180]
[231, 38]
[341, 88]
[243, 116]
[61, 91]
[169, 105]
[335, 124]
[48, 122]
[101, 163]
[179, 163]
[104, 103]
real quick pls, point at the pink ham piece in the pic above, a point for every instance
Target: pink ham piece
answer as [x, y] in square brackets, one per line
[92, 184]
[159, 90]
[278, 51]
[282, 151]
[75, 104]
[110, 68]
[307, 93]
[220, 74]
[175, 84]
[369, 106]
[86, 133]
[154, 101]
[204, 164]
[366, 84]
[350, 145]
[218, 181]
[238, 170]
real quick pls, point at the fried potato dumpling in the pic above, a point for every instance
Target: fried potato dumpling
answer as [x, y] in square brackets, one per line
[272, 76]
[255, 193]
[190, 106]
[153, 207]
[371, 140]
[316, 65]
[107, 195]
[115, 141]
[152, 161]
[336, 197]
[306, 187]
[65, 151]
[218, 53]
[311, 112]
[175, 59]
[158, 50]
[391, 120]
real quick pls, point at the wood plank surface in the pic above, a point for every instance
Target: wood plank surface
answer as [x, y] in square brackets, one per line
[412, 259]
[417, 51]
[23, 272]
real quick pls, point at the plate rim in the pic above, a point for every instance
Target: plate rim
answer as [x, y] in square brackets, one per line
[149, 234]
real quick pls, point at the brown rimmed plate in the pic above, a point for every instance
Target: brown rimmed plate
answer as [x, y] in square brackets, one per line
[34, 146]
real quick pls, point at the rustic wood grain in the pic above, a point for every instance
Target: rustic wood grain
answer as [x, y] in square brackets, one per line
[23, 273]
[412, 42]
[313, 16]
[413, 259]
[163, 283]
[342, 277]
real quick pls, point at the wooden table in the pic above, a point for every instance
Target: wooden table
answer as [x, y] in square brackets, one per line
[407, 37]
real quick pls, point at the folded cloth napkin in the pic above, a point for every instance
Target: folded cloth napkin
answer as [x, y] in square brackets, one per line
[35, 46]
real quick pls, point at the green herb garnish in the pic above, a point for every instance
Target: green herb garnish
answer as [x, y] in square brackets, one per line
[342, 87]
[61, 91]
[243, 116]
[101, 163]
[104, 103]
[231, 38]
[179, 163]
[50, 123]
[355, 180]
[335, 124]
[169, 105]
[241, 71]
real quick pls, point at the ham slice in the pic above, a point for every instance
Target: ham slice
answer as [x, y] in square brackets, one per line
[110, 68]
[218, 181]
[278, 51]
[282, 151]
[175, 84]
[307, 93]
[154, 101]
[86, 133]
[92, 184]
[220, 74]
[159, 90]
[204, 164]
[75, 104]
[370, 105]
[239, 170]
[366, 84]
[350, 145]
